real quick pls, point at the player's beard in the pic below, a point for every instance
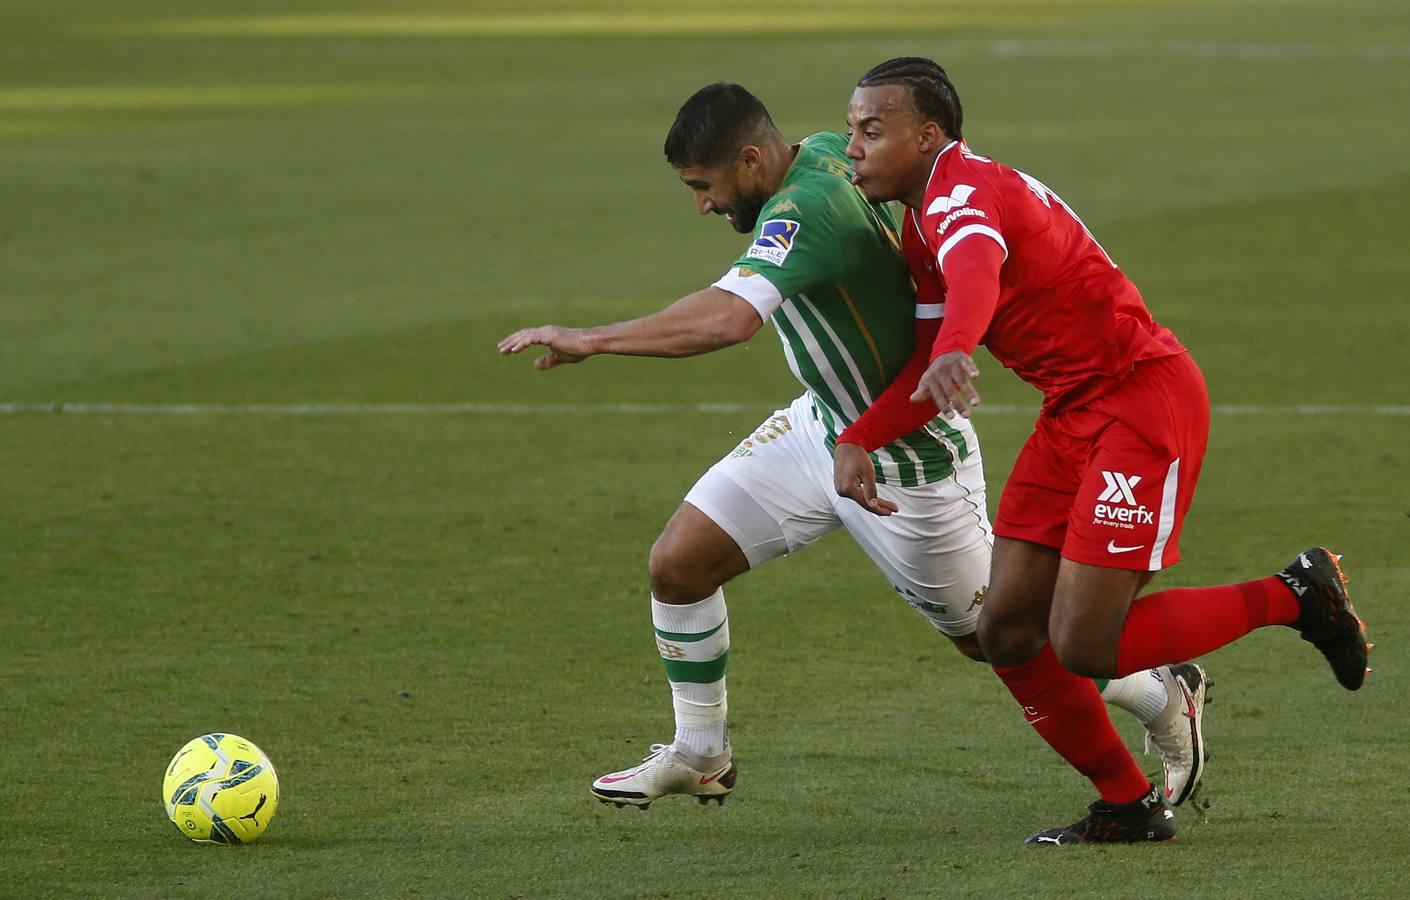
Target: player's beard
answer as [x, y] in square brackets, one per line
[745, 213]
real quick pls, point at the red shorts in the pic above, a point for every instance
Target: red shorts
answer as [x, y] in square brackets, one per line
[1109, 483]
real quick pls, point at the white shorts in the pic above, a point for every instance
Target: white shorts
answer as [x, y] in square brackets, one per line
[773, 494]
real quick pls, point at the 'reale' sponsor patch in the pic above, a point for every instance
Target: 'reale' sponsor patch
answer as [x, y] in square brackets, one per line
[774, 242]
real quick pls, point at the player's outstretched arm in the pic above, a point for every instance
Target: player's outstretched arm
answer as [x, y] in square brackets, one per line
[706, 320]
[565, 345]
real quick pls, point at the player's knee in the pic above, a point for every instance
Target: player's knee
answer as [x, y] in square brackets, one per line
[994, 635]
[1006, 641]
[675, 575]
[969, 646]
[990, 635]
[666, 567]
[1081, 655]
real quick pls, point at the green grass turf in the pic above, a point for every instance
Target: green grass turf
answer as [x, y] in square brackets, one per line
[436, 624]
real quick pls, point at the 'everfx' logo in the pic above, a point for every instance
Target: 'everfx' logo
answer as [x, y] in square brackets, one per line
[958, 197]
[1119, 487]
[1117, 503]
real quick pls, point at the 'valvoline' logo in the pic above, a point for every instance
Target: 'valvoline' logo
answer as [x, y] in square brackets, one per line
[958, 197]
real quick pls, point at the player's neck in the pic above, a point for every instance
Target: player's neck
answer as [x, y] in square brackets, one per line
[915, 197]
[780, 160]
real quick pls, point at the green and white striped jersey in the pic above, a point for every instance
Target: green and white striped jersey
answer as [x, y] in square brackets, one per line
[825, 267]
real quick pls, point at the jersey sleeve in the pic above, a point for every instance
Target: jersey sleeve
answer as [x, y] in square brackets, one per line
[791, 252]
[957, 212]
[965, 225]
[973, 295]
[744, 282]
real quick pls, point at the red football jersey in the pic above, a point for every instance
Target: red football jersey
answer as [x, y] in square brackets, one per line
[1067, 320]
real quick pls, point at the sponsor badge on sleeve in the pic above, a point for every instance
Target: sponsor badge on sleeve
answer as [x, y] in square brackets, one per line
[774, 242]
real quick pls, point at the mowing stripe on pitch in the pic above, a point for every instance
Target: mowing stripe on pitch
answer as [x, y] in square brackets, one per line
[537, 409]
[1249, 50]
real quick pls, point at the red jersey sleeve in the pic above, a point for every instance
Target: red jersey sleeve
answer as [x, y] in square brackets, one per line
[972, 274]
[964, 223]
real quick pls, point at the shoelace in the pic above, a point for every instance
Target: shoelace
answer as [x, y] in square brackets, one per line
[656, 750]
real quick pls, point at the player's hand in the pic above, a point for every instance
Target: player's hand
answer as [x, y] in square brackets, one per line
[948, 382]
[565, 345]
[854, 477]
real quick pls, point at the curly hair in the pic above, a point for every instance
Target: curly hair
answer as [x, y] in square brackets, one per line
[932, 92]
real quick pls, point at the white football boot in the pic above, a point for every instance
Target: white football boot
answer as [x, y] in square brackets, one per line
[1178, 733]
[667, 771]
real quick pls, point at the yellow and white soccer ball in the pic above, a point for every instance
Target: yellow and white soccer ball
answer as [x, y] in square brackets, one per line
[220, 789]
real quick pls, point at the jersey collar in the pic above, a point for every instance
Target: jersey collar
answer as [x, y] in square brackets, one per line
[933, 166]
[936, 164]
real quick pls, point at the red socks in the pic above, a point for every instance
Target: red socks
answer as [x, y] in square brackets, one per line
[1069, 713]
[1184, 623]
[1164, 627]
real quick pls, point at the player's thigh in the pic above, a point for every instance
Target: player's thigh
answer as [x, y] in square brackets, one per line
[1013, 623]
[935, 550]
[1089, 609]
[764, 494]
[1123, 525]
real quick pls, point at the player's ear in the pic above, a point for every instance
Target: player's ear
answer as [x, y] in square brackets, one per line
[930, 137]
[750, 157]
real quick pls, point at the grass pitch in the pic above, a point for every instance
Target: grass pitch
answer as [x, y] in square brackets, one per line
[435, 622]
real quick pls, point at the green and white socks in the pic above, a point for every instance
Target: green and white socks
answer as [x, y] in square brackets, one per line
[693, 640]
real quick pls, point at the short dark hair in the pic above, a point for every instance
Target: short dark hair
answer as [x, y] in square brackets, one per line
[932, 92]
[713, 124]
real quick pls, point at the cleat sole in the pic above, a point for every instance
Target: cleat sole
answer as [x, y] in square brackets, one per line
[702, 799]
[619, 802]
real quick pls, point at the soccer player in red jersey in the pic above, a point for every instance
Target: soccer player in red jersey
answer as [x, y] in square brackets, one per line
[1094, 505]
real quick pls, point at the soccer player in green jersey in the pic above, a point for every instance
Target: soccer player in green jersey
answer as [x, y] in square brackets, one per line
[824, 266]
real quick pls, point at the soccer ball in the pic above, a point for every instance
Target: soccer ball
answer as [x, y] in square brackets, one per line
[220, 789]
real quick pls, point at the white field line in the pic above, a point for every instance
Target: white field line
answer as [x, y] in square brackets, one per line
[536, 409]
